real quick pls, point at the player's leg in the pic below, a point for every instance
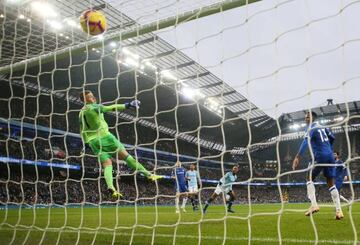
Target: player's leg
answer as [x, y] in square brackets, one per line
[177, 200]
[135, 165]
[344, 199]
[193, 197]
[184, 200]
[184, 193]
[330, 174]
[194, 201]
[103, 147]
[310, 187]
[217, 191]
[338, 183]
[230, 201]
[108, 174]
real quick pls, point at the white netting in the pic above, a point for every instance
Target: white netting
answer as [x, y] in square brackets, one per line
[221, 83]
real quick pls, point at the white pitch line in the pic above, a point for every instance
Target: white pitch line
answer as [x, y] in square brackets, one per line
[221, 238]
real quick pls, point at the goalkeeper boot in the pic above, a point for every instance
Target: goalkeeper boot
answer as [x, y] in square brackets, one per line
[115, 194]
[183, 209]
[339, 215]
[312, 210]
[154, 177]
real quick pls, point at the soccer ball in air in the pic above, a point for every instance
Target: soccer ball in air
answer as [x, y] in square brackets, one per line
[93, 22]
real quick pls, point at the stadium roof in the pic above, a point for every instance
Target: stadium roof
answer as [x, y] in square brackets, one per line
[282, 55]
[328, 114]
[148, 47]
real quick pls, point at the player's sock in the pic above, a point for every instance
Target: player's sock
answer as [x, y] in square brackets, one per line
[184, 202]
[311, 193]
[344, 199]
[192, 200]
[177, 203]
[109, 177]
[229, 204]
[335, 197]
[135, 165]
[207, 203]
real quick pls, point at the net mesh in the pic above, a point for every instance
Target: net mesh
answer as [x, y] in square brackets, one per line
[201, 70]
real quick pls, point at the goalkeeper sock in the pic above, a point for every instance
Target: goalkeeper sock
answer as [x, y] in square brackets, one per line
[335, 197]
[184, 202]
[135, 165]
[109, 177]
[311, 193]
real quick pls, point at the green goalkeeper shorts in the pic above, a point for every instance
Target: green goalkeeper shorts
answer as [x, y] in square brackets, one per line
[106, 147]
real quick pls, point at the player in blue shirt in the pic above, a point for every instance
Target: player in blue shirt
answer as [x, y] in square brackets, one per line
[178, 175]
[321, 141]
[225, 186]
[341, 174]
[193, 180]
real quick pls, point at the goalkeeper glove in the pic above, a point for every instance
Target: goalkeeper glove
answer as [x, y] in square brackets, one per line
[133, 104]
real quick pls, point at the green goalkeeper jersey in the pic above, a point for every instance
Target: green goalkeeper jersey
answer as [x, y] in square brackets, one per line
[92, 122]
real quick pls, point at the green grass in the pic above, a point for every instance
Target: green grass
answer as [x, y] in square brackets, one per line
[295, 228]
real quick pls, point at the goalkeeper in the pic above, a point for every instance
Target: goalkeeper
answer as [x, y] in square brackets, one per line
[94, 131]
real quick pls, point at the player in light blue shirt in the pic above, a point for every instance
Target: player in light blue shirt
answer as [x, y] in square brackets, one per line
[321, 140]
[193, 180]
[225, 186]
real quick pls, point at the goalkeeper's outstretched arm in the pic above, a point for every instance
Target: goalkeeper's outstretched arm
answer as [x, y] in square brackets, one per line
[120, 107]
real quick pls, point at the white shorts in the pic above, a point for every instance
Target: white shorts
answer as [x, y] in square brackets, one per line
[221, 188]
[193, 189]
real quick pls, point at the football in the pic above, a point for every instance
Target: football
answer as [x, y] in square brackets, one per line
[93, 22]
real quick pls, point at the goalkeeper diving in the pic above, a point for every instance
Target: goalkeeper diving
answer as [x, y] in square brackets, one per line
[94, 131]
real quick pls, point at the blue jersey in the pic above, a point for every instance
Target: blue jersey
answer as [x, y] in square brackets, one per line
[341, 173]
[193, 177]
[179, 173]
[321, 140]
[341, 170]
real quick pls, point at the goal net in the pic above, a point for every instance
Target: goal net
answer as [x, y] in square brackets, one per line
[222, 85]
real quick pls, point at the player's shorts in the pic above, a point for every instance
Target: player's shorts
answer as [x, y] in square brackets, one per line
[193, 189]
[181, 188]
[106, 147]
[328, 171]
[339, 182]
[221, 188]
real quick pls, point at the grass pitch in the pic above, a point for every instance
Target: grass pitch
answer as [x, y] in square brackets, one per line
[262, 224]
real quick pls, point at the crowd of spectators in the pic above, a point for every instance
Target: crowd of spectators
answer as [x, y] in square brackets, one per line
[53, 188]
[60, 187]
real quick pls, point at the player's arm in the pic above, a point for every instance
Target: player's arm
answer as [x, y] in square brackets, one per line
[330, 135]
[187, 175]
[346, 175]
[120, 107]
[185, 179]
[302, 149]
